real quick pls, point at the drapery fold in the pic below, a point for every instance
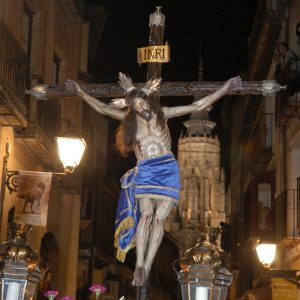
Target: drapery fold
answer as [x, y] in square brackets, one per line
[153, 178]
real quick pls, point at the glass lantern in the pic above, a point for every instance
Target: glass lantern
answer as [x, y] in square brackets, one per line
[197, 283]
[199, 271]
[266, 254]
[14, 280]
[222, 281]
[70, 150]
[20, 274]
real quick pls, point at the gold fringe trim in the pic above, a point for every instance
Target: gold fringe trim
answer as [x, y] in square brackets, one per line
[124, 225]
[121, 255]
[156, 197]
[159, 187]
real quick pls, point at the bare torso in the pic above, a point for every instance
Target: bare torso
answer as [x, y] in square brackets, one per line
[151, 139]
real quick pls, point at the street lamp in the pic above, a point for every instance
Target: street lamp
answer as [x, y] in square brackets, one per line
[70, 150]
[284, 282]
[266, 254]
[19, 272]
[200, 270]
[70, 146]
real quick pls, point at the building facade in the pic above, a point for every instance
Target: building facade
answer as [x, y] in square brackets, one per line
[264, 153]
[46, 42]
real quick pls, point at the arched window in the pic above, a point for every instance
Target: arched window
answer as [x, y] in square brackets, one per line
[264, 191]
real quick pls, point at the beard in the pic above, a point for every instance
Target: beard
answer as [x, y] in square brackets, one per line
[146, 114]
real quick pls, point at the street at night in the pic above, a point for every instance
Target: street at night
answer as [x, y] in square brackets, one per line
[150, 150]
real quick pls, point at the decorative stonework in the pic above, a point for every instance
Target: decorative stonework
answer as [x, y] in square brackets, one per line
[202, 196]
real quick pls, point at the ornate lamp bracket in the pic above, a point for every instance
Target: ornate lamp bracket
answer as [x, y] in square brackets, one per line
[12, 181]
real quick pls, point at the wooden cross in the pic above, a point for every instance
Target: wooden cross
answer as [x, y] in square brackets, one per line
[112, 90]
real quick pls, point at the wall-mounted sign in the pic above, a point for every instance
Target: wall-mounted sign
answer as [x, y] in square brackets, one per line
[33, 197]
[157, 54]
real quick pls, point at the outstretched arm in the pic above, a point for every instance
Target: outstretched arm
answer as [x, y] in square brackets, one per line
[99, 106]
[206, 102]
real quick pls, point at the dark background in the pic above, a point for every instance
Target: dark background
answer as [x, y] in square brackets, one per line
[220, 28]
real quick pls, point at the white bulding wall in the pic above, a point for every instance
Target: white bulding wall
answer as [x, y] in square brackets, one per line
[290, 162]
[293, 172]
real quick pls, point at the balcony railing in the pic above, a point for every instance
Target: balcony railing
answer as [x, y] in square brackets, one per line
[289, 75]
[288, 102]
[48, 116]
[39, 134]
[14, 77]
[287, 107]
[281, 215]
[287, 214]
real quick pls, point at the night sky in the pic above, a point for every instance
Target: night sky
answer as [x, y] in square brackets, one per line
[220, 28]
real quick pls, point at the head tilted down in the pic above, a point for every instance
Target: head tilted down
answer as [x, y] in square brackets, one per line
[139, 102]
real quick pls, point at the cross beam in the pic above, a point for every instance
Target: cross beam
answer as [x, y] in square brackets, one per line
[167, 89]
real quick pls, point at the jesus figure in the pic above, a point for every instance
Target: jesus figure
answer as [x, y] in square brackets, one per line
[149, 190]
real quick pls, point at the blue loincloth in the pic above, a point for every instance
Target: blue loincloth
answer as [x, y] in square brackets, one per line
[154, 178]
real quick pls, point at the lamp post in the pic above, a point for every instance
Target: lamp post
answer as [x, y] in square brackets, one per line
[200, 270]
[19, 272]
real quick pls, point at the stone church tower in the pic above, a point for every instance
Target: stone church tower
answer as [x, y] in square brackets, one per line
[202, 196]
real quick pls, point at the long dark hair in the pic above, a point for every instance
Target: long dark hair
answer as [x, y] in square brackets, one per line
[126, 133]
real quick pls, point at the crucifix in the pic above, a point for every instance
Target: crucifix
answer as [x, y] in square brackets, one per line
[151, 189]
[111, 90]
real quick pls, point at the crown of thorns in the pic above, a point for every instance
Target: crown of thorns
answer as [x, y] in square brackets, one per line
[126, 83]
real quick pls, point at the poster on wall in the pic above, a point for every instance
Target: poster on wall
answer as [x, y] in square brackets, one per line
[33, 197]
